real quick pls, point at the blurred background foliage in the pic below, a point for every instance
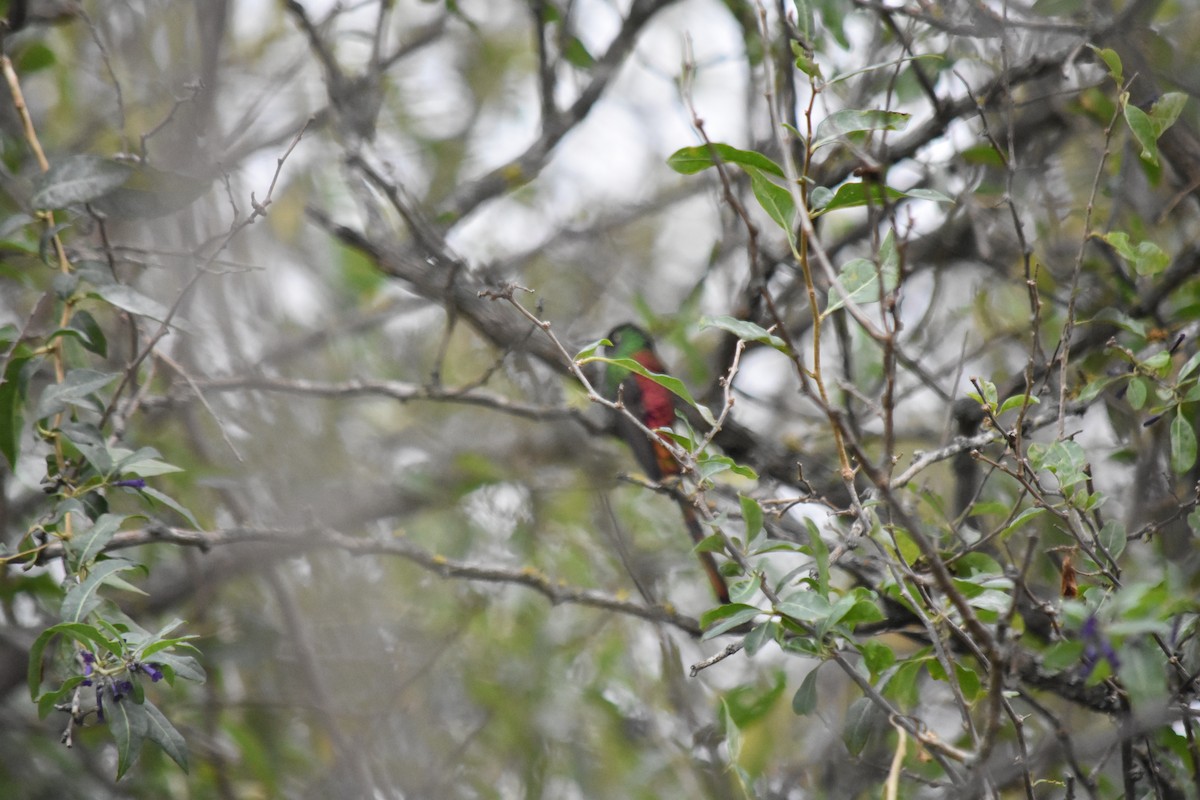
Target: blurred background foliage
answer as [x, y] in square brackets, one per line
[416, 568]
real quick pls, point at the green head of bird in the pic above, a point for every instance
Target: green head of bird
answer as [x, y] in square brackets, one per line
[628, 341]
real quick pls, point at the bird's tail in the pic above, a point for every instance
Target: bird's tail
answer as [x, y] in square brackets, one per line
[706, 558]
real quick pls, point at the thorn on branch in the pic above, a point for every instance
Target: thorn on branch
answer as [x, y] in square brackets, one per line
[260, 209]
[504, 292]
[714, 659]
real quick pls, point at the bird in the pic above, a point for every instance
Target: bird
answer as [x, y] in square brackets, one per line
[654, 406]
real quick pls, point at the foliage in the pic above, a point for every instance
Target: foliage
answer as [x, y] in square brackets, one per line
[298, 399]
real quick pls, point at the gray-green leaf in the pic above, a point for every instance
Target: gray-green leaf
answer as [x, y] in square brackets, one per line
[78, 179]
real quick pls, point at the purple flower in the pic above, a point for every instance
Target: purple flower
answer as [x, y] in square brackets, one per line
[150, 669]
[89, 660]
[1096, 646]
[132, 483]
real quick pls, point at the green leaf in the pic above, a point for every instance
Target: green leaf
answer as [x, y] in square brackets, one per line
[83, 597]
[802, 645]
[590, 350]
[171, 503]
[854, 195]
[78, 179]
[932, 195]
[577, 54]
[1166, 110]
[1147, 128]
[1143, 674]
[671, 384]
[185, 667]
[982, 507]
[752, 513]
[733, 736]
[160, 731]
[805, 607]
[1093, 388]
[1113, 538]
[848, 195]
[991, 600]
[1121, 320]
[1183, 443]
[759, 636]
[820, 552]
[1146, 257]
[12, 401]
[49, 700]
[167, 628]
[768, 545]
[904, 684]
[860, 724]
[1017, 401]
[711, 465]
[746, 331]
[776, 201]
[968, 681]
[33, 56]
[1023, 519]
[806, 24]
[91, 443]
[710, 544]
[983, 155]
[803, 59]
[888, 65]
[1065, 460]
[1189, 366]
[742, 590]
[129, 299]
[144, 462]
[84, 634]
[90, 333]
[1062, 655]
[726, 617]
[149, 193]
[690, 160]
[117, 582]
[804, 701]
[89, 544]
[126, 722]
[748, 704]
[859, 281]
[1133, 627]
[1159, 363]
[75, 390]
[144, 653]
[865, 609]
[836, 613]
[846, 121]
[119, 633]
[1143, 130]
[877, 657]
[1135, 393]
[1112, 61]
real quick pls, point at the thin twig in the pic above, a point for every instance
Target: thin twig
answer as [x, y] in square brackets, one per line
[306, 539]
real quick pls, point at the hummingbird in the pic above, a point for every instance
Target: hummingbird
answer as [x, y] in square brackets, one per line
[654, 407]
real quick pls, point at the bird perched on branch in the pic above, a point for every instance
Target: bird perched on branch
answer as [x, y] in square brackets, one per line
[654, 407]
